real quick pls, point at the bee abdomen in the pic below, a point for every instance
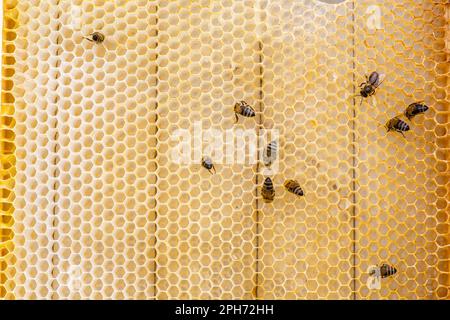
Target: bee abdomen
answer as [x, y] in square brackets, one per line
[422, 108]
[270, 153]
[268, 191]
[294, 187]
[272, 148]
[268, 184]
[244, 109]
[402, 125]
[415, 109]
[298, 191]
[248, 112]
[387, 271]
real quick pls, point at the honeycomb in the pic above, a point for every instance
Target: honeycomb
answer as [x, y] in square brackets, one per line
[93, 207]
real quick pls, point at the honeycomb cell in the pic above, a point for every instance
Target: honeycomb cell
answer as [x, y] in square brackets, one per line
[94, 206]
[7, 152]
[216, 257]
[407, 182]
[86, 194]
[297, 52]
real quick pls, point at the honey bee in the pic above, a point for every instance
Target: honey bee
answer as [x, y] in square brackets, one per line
[207, 163]
[268, 191]
[294, 187]
[270, 153]
[96, 37]
[368, 87]
[415, 109]
[385, 271]
[398, 125]
[244, 109]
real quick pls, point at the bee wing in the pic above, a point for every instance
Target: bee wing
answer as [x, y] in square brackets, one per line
[374, 271]
[381, 78]
[416, 103]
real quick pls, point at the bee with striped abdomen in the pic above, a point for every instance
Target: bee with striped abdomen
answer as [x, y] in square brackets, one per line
[294, 187]
[244, 109]
[368, 87]
[207, 163]
[385, 271]
[268, 191]
[398, 125]
[96, 37]
[415, 109]
[270, 153]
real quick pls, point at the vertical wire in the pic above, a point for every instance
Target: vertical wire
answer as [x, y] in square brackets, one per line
[354, 152]
[260, 125]
[155, 265]
[447, 47]
[54, 234]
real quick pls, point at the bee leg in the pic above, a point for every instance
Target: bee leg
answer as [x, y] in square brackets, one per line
[88, 39]
[365, 82]
[237, 119]
[401, 132]
[214, 169]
